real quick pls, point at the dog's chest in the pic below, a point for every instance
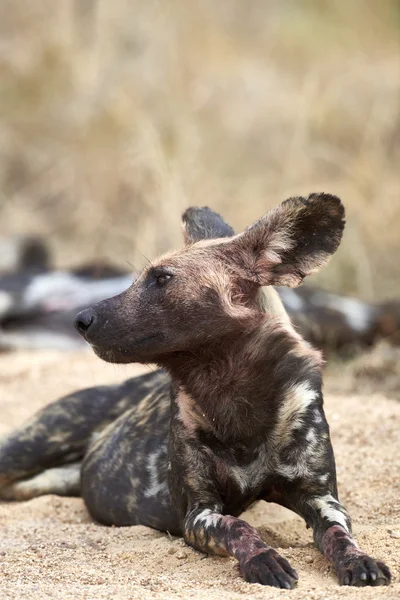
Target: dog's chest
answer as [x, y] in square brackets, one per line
[245, 480]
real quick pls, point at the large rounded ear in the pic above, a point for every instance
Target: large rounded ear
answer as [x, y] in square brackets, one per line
[291, 241]
[202, 223]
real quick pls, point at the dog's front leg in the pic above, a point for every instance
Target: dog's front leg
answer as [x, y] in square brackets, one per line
[331, 526]
[208, 530]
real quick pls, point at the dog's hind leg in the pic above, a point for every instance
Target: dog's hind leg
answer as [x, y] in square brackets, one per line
[59, 434]
[63, 481]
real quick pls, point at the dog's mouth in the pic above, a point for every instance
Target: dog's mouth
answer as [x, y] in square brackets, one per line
[141, 349]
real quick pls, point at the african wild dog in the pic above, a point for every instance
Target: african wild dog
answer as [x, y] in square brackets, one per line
[235, 416]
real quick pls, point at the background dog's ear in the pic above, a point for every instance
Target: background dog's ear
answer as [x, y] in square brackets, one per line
[202, 223]
[291, 241]
[20, 254]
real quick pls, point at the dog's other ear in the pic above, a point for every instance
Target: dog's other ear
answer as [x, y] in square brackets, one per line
[291, 241]
[202, 223]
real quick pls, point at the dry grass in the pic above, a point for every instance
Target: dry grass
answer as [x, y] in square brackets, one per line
[114, 116]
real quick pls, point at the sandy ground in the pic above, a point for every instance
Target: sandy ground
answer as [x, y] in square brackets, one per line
[50, 548]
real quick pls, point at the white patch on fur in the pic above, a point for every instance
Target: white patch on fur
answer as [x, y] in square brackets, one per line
[95, 437]
[156, 486]
[272, 257]
[253, 473]
[329, 512]
[271, 303]
[304, 462]
[291, 412]
[301, 469]
[311, 437]
[208, 518]
[304, 394]
[317, 416]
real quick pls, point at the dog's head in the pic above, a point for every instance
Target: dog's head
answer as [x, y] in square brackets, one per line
[208, 289]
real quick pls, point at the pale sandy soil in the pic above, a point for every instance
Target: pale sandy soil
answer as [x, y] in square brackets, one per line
[50, 548]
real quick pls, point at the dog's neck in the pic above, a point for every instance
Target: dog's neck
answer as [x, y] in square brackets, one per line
[236, 384]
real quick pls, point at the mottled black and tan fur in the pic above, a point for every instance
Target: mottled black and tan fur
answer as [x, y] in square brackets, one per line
[236, 415]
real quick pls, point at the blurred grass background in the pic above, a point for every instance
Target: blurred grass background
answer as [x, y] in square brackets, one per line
[116, 115]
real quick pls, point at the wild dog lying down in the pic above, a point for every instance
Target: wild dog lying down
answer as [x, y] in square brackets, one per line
[236, 416]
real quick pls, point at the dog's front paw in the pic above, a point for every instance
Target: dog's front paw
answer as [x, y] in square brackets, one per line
[269, 568]
[362, 570]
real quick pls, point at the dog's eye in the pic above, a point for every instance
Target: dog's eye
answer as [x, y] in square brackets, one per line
[162, 279]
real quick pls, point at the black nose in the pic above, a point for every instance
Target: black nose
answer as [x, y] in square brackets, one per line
[83, 320]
